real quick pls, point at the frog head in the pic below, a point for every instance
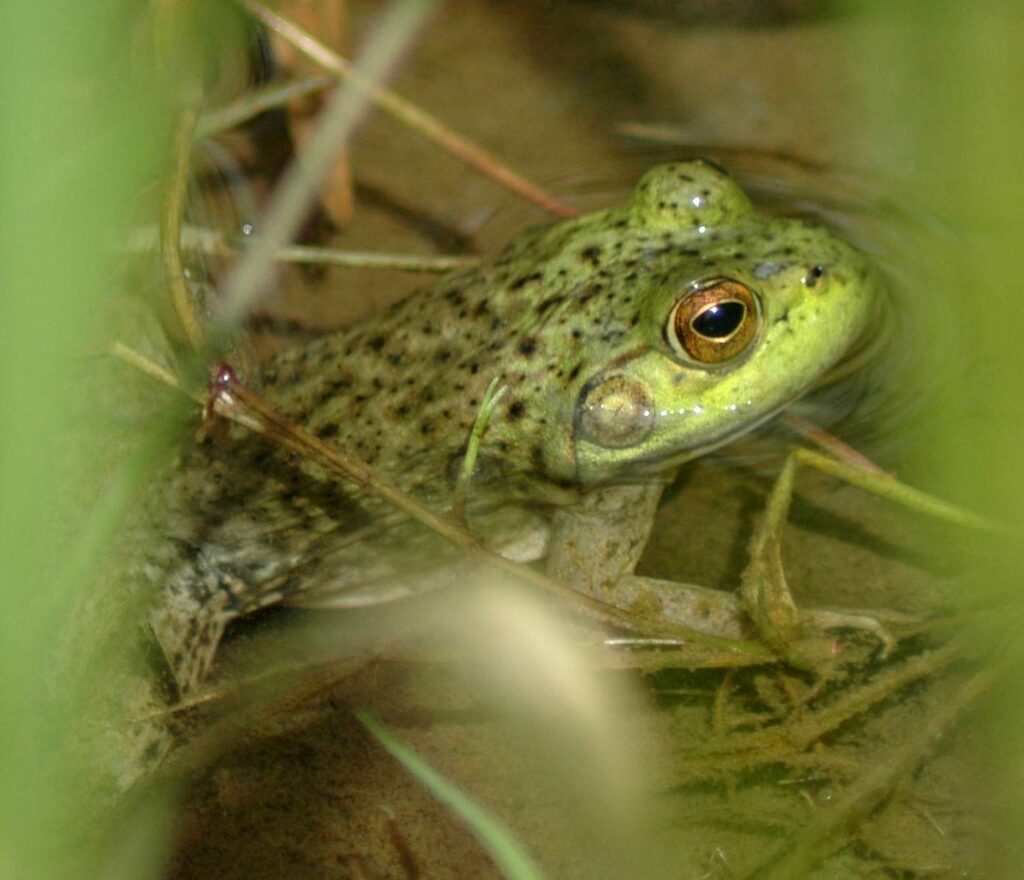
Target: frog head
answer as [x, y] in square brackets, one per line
[712, 316]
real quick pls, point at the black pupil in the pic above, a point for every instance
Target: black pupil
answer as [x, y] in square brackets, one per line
[720, 320]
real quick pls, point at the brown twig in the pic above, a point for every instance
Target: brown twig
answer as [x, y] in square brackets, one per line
[830, 443]
[291, 199]
[409, 114]
[252, 104]
[368, 260]
[213, 242]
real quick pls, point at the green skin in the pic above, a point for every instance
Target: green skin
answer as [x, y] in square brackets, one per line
[570, 468]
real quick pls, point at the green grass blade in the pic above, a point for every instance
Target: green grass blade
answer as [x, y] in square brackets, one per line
[508, 855]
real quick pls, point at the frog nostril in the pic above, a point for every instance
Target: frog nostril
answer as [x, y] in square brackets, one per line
[811, 278]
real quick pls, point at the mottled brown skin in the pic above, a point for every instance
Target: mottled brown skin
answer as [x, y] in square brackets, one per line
[568, 317]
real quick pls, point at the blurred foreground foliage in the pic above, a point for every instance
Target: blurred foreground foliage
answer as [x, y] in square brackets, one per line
[944, 117]
[89, 91]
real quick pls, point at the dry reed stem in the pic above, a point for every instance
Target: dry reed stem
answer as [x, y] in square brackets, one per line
[214, 243]
[252, 104]
[830, 443]
[298, 188]
[409, 114]
[170, 230]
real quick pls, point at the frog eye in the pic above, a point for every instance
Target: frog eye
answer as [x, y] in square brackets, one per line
[713, 324]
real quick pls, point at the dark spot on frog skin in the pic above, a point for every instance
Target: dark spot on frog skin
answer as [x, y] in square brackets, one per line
[811, 278]
[376, 343]
[323, 396]
[547, 304]
[395, 359]
[516, 410]
[523, 280]
[325, 432]
[528, 347]
[591, 254]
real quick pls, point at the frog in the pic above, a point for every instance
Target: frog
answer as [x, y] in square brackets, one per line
[628, 341]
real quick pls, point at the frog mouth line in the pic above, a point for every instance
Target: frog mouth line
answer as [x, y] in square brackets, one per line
[657, 463]
[730, 436]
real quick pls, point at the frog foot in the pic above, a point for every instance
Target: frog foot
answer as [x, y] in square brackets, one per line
[800, 636]
[764, 592]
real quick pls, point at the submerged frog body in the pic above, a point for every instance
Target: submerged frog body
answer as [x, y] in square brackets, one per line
[630, 340]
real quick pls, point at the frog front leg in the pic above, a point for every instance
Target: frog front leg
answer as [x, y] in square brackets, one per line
[596, 544]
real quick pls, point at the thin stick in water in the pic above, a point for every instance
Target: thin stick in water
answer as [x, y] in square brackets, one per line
[291, 200]
[409, 114]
